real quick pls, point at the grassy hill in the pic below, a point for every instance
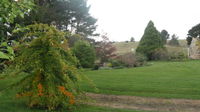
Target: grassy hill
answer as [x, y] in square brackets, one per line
[126, 47]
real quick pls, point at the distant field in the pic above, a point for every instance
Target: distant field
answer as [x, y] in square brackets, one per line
[161, 79]
[123, 47]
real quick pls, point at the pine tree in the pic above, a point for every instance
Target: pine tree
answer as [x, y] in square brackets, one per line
[151, 40]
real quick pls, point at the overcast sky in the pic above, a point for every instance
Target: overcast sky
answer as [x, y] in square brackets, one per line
[123, 19]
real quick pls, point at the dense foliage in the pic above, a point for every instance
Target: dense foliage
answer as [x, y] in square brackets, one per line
[151, 40]
[9, 10]
[194, 32]
[52, 79]
[85, 53]
[66, 15]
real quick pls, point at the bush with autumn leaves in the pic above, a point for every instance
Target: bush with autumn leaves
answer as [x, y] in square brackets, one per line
[52, 77]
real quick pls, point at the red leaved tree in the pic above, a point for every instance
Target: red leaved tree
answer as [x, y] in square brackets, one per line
[104, 49]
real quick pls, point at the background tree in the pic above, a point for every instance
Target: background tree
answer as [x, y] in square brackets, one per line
[151, 40]
[174, 41]
[85, 53]
[72, 39]
[66, 15]
[164, 36]
[194, 32]
[104, 49]
[132, 39]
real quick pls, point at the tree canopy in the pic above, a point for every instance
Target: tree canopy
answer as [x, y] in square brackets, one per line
[194, 32]
[66, 15]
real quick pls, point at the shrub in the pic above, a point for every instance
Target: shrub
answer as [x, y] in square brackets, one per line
[131, 60]
[85, 53]
[52, 78]
[116, 63]
[141, 59]
[96, 67]
[160, 54]
[177, 56]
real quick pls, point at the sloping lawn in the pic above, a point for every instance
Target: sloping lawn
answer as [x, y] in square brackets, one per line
[160, 79]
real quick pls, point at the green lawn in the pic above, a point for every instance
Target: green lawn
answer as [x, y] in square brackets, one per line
[8, 102]
[161, 79]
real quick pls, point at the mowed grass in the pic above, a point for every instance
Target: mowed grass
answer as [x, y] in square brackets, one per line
[9, 103]
[161, 79]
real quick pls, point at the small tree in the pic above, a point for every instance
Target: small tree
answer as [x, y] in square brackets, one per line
[52, 80]
[174, 41]
[105, 50]
[164, 36]
[85, 53]
[151, 40]
[132, 39]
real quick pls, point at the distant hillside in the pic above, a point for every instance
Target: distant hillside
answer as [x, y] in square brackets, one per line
[126, 47]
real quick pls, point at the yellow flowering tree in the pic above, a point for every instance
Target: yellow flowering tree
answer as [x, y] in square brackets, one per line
[52, 80]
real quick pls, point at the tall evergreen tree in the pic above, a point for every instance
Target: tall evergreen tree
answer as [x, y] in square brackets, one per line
[151, 40]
